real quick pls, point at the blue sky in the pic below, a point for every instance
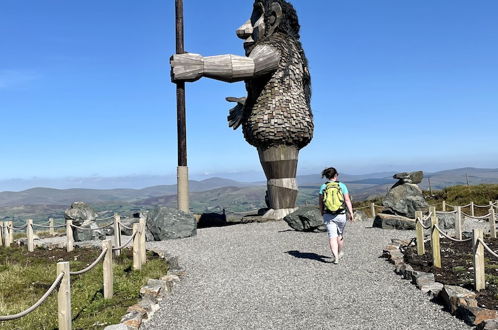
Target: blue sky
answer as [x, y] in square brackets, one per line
[397, 85]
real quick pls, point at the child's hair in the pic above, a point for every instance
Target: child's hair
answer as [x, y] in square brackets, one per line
[329, 173]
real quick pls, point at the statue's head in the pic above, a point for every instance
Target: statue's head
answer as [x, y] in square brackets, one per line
[268, 17]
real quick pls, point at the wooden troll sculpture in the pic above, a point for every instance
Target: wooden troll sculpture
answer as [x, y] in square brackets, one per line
[276, 116]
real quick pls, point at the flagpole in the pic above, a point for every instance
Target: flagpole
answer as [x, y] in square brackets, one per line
[182, 170]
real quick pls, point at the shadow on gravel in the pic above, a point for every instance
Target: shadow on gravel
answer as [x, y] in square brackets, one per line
[308, 255]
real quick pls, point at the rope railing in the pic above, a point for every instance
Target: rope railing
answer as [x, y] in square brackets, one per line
[43, 226]
[476, 217]
[446, 212]
[436, 227]
[126, 244]
[361, 208]
[37, 304]
[487, 248]
[92, 265]
[421, 223]
[19, 228]
[91, 229]
[125, 227]
[484, 206]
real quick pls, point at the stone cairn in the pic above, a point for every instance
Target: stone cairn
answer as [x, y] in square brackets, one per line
[82, 215]
[402, 201]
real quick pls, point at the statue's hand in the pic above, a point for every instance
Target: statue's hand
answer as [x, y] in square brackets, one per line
[186, 67]
[237, 112]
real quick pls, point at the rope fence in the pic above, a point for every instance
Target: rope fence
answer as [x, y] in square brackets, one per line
[478, 244]
[62, 282]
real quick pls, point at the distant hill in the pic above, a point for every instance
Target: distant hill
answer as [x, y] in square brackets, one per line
[215, 193]
[45, 196]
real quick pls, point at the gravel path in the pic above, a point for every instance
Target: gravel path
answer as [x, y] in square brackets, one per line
[263, 275]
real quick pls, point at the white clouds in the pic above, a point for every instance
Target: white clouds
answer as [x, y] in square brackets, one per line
[14, 78]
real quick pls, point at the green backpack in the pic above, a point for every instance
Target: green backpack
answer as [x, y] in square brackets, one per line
[333, 198]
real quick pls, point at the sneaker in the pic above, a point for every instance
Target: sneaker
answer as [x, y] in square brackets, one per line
[336, 261]
[341, 254]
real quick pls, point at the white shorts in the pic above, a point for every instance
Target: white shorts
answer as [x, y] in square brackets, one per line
[335, 224]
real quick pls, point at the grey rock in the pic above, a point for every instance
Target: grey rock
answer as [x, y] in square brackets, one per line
[360, 216]
[445, 220]
[455, 296]
[432, 289]
[410, 177]
[167, 223]
[306, 218]
[404, 199]
[82, 215]
[117, 327]
[488, 325]
[390, 221]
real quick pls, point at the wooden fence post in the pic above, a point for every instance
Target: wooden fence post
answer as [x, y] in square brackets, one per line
[1, 233]
[143, 253]
[492, 221]
[64, 297]
[137, 264]
[11, 232]
[436, 248]
[372, 209]
[458, 222]
[420, 233]
[29, 234]
[443, 207]
[472, 210]
[117, 233]
[51, 225]
[6, 236]
[478, 251]
[69, 236]
[108, 280]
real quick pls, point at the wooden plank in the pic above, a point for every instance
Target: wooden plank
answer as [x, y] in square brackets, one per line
[458, 222]
[420, 234]
[51, 224]
[443, 207]
[479, 275]
[69, 236]
[435, 244]
[143, 250]
[117, 233]
[137, 264]
[29, 235]
[492, 221]
[372, 210]
[64, 297]
[108, 279]
[1, 233]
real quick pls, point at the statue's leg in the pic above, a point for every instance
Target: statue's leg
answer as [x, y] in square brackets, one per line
[280, 166]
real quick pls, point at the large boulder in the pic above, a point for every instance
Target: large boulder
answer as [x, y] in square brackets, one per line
[166, 223]
[306, 218]
[82, 215]
[405, 197]
[391, 221]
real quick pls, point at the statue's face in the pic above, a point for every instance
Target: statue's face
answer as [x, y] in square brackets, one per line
[254, 29]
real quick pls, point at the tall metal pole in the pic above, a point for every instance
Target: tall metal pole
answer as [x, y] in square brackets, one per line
[182, 170]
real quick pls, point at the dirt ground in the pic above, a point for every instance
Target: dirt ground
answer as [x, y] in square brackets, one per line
[457, 268]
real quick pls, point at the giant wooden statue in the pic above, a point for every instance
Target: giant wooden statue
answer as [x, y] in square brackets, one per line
[275, 116]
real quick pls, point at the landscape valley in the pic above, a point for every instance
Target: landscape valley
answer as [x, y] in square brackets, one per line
[211, 195]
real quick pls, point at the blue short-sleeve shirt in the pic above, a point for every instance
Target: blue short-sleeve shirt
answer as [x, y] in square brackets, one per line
[342, 185]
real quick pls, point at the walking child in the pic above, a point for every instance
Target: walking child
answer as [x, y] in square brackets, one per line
[334, 201]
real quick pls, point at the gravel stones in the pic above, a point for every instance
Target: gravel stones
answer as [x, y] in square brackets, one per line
[242, 277]
[167, 223]
[306, 218]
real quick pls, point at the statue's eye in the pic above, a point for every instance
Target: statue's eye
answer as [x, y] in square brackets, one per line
[257, 12]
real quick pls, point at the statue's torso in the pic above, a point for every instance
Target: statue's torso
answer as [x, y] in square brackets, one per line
[277, 111]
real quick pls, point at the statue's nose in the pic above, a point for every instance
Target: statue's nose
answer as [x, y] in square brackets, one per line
[245, 31]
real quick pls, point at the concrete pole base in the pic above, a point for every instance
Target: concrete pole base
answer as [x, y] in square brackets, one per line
[182, 189]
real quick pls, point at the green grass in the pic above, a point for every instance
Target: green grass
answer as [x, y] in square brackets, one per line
[25, 277]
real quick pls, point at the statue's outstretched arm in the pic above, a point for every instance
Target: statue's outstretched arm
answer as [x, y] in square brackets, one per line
[263, 59]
